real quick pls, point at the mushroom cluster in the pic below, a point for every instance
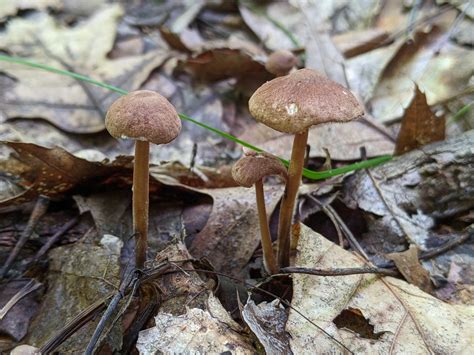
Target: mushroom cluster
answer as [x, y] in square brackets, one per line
[292, 104]
[146, 117]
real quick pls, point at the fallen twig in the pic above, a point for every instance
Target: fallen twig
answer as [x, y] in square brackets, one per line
[345, 229]
[28, 288]
[129, 280]
[51, 242]
[338, 271]
[39, 210]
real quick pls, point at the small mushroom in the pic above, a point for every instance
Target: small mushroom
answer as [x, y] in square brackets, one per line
[292, 104]
[280, 62]
[144, 116]
[250, 170]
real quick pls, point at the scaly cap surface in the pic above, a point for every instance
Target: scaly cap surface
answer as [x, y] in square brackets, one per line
[253, 167]
[143, 115]
[304, 98]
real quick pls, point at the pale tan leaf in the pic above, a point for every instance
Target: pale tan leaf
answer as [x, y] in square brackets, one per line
[342, 140]
[404, 318]
[196, 331]
[11, 7]
[266, 321]
[67, 103]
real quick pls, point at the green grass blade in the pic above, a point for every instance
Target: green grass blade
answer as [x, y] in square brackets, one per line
[310, 174]
[462, 112]
[6, 58]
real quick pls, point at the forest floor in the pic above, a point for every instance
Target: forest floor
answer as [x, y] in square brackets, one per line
[381, 242]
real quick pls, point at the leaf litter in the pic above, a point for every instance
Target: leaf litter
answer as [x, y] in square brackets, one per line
[202, 59]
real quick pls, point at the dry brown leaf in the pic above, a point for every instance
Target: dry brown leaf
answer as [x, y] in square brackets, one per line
[354, 43]
[66, 102]
[419, 125]
[54, 171]
[409, 265]
[223, 63]
[232, 232]
[342, 140]
[49, 172]
[398, 318]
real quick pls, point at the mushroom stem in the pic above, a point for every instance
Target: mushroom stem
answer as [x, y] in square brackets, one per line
[140, 201]
[287, 206]
[268, 258]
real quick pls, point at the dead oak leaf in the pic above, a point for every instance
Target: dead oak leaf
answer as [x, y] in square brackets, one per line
[45, 171]
[223, 63]
[419, 125]
[409, 265]
[232, 233]
[400, 318]
[64, 101]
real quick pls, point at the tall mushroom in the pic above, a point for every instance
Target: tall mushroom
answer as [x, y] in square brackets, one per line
[144, 116]
[280, 62]
[292, 104]
[250, 170]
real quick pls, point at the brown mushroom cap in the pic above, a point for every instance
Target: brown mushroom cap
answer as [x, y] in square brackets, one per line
[280, 62]
[253, 167]
[143, 115]
[293, 103]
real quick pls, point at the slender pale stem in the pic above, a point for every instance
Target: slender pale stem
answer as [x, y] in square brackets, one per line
[287, 206]
[140, 201]
[268, 257]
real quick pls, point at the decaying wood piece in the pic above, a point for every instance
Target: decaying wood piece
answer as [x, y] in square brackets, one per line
[410, 195]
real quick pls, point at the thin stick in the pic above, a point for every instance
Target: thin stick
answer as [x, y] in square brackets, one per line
[268, 257]
[130, 278]
[338, 271]
[50, 242]
[288, 200]
[27, 289]
[140, 201]
[39, 210]
[345, 229]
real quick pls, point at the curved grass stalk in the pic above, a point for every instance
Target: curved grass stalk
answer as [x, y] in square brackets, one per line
[310, 174]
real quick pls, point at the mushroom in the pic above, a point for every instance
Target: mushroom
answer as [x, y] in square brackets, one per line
[292, 104]
[144, 116]
[250, 170]
[280, 62]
